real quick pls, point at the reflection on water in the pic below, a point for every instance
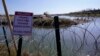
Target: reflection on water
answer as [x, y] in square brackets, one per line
[77, 38]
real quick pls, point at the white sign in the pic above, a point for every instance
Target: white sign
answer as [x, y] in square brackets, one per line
[22, 23]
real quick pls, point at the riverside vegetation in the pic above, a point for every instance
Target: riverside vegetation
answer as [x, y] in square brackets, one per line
[49, 22]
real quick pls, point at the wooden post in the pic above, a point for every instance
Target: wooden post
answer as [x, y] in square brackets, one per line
[19, 46]
[6, 40]
[57, 32]
[9, 22]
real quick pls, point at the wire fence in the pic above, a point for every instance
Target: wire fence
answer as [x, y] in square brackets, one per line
[76, 40]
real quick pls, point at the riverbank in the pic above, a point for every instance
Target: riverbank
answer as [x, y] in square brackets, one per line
[49, 22]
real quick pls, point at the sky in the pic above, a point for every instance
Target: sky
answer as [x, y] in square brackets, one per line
[50, 6]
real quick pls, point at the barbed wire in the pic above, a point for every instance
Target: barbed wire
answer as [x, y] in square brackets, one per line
[43, 40]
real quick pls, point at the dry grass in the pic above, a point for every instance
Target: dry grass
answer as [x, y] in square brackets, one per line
[49, 22]
[4, 52]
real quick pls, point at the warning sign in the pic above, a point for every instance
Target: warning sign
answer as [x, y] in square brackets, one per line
[22, 23]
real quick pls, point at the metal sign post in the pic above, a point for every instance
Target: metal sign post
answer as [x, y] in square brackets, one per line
[6, 40]
[57, 32]
[19, 46]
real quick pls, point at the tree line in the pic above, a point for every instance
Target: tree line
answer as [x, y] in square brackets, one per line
[89, 12]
